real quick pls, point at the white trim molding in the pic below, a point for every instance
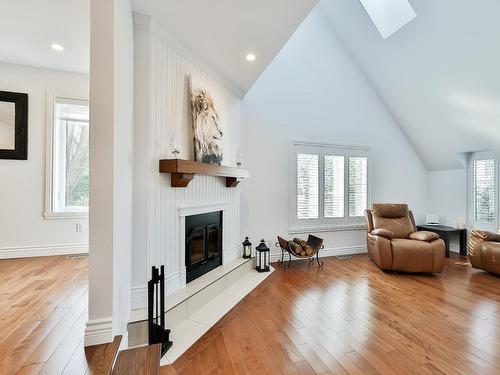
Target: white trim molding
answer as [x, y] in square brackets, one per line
[42, 250]
[195, 210]
[202, 208]
[139, 296]
[65, 215]
[330, 252]
[98, 331]
[328, 228]
[49, 212]
[231, 253]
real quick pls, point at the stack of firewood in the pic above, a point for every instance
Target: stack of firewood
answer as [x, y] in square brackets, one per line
[300, 247]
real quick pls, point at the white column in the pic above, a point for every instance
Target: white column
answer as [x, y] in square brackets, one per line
[111, 172]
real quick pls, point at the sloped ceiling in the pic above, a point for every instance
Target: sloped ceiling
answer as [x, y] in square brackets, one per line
[439, 75]
[223, 32]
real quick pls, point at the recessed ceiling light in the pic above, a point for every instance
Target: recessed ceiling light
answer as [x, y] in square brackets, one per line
[57, 47]
[250, 57]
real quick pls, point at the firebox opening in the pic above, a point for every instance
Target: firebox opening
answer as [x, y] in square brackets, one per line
[203, 244]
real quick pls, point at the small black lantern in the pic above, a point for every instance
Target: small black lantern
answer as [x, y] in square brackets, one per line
[247, 249]
[263, 253]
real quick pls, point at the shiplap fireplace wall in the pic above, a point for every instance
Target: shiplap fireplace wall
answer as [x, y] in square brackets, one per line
[161, 111]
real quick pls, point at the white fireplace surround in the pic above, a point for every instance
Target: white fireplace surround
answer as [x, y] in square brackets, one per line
[159, 209]
[196, 210]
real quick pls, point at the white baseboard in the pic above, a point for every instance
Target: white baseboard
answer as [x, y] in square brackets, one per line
[42, 251]
[99, 331]
[172, 282]
[139, 294]
[231, 254]
[139, 297]
[124, 343]
[335, 251]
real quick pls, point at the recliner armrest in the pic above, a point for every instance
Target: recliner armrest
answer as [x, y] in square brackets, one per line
[386, 233]
[486, 236]
[424, 236]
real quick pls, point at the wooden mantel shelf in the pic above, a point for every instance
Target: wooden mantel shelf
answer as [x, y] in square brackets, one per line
[183, 172]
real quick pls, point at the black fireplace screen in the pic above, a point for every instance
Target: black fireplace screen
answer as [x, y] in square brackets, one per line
[203, 244]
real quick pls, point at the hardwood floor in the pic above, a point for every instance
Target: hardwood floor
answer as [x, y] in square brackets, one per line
[351, 318]
[345, 318]
[43, 310]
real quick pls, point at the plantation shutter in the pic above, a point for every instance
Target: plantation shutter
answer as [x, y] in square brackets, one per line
[358, 185]
[484, 191]
[333, 186]
[307, 186]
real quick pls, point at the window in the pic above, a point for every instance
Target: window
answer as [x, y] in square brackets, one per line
[329, 187]
[68, 158]
[389, 15]
[484, 203]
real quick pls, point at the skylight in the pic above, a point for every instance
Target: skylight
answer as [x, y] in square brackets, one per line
[389, 15]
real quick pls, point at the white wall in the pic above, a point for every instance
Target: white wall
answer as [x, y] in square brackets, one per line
[313, 91]
[448, 195]
[25, 232]
[111, 155]
[161, 109]
[123, 162]
[447, 191]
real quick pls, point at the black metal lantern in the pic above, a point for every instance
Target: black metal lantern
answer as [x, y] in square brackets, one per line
[263, 253]
[247, 249]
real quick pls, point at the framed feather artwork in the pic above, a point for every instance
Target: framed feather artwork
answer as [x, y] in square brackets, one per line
[206, 122]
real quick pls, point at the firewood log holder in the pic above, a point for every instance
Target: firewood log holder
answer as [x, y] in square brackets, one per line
[314, 242]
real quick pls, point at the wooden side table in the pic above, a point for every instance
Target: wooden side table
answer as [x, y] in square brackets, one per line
[444, 233]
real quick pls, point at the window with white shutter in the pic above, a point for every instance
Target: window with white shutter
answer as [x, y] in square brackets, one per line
[329, 187]
[484, 193]
[358, 186]
[334, 186]
[307, 186]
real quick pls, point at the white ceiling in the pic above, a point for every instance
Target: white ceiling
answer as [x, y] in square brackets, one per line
[439, 75]
[222, 32]
[28, 27]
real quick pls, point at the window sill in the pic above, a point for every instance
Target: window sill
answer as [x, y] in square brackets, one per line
[65, 215]
[326, 228]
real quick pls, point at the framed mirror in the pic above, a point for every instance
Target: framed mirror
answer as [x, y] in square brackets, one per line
[13, 125]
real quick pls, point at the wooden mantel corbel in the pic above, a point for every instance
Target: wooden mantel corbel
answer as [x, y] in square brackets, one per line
[183, 171]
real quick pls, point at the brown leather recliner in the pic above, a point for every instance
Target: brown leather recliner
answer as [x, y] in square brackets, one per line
[395, 245]
[484, 251]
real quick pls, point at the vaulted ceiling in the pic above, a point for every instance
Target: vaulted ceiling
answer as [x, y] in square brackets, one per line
[223, 32]
[439, 75]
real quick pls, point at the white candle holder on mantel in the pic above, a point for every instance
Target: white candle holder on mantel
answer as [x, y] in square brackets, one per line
[174, 147]
[238, 159]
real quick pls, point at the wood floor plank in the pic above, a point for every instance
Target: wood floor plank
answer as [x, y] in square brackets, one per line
[349, 317]
[144, 360]
[43, 310]
[101, 357]
[346, 318]
[61, 356]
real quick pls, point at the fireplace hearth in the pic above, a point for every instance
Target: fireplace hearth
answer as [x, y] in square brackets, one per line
[203, 244]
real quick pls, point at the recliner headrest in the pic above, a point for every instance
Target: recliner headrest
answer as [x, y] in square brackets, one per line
[389, 210]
